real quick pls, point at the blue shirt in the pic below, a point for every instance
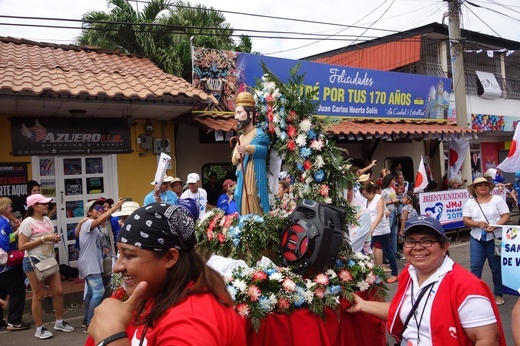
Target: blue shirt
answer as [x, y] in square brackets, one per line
[169, 197]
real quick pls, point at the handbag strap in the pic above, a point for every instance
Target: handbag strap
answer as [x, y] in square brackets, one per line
[482, 211]
[414, 307]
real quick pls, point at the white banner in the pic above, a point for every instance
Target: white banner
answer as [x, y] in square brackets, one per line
[510, 258]
[447, 206]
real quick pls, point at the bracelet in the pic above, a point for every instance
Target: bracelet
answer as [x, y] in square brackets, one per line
[113, 337]
[42, 239]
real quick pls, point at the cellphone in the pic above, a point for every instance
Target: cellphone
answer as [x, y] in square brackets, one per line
[127, 199]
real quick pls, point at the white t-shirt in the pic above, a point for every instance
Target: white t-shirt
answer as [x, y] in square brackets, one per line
[34, 230]
[200, 197]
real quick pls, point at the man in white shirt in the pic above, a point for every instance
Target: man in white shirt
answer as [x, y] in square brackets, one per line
[197, 193]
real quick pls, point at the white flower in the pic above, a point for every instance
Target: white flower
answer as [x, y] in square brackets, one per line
[318, 163]
[317, 145]
[276, 93]
[277, 131]
[276, 277]
[276, 118]
[331, 273]
[363, 286]
[240, 285]
[270, 87]
[327, 200]
[308, 295]
[309, 284]
[309, 179]
[273, 299]
[301, 140]
[305, 125]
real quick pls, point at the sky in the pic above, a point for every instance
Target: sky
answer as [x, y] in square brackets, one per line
[329, 18]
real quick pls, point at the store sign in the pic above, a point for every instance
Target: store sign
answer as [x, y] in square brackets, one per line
[13, 183]
[487, 86]
[64, 136]
[360, 93]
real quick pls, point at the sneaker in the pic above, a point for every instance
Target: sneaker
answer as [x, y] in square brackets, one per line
[18, 326]
[43, 333]
[85, 330]
[399, 256]
[2, 324]
[65, 327]
[84, 323]
[28, 289]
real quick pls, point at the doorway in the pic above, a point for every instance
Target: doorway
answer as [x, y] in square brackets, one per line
[72, 181]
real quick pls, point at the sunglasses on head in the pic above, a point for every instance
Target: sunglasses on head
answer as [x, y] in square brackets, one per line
[98, 208]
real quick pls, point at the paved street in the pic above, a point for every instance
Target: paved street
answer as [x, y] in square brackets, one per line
[459, 251]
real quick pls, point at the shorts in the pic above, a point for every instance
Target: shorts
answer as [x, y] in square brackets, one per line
[27, 266]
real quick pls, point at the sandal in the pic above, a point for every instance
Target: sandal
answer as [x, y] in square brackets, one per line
[499, 300]
[393, 279]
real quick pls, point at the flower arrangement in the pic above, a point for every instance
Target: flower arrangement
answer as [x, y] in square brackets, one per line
[286, 115]
[246, 237]
[259, 291]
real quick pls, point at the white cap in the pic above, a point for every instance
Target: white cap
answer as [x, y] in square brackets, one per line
[192, 178]
[127, 208]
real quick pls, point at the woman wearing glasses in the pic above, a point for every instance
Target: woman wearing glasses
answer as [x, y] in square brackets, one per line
[37, 238]
[90, 261]
[438, 302]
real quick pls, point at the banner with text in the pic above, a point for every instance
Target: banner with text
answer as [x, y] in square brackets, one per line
[13, 183]
[510, 257]
[447, 206]
[354, 92]
[55, 136]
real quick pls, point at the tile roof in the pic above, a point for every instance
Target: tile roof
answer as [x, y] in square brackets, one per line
[355, 129]
[30, 67]
[393, 130]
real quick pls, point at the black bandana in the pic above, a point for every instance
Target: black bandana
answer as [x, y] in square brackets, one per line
[159, 226]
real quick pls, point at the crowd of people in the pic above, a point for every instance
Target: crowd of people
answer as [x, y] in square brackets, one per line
[165, 303]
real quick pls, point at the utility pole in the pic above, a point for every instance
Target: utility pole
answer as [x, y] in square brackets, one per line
[459, 80]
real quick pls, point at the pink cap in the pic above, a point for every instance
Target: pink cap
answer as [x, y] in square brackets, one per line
[37, 198]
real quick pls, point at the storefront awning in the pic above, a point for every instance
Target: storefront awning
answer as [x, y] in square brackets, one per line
[360, 130]
[357, 129]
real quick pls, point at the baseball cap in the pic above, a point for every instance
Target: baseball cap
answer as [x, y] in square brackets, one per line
[421, 222]
[105, 200]
[37, 198]
[90, 205]
[192, 178]
[227, 183]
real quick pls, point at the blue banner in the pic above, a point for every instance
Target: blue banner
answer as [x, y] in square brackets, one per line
[360, 93]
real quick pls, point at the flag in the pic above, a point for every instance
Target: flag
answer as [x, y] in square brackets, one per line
[490, 53]
[457, 149]
[512, 162]
[421, 180]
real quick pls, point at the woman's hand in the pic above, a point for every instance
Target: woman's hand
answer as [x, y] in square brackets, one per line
[113, 316]
[54, 237]
[357, 304]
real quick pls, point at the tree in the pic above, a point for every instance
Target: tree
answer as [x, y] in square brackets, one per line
[161, 31]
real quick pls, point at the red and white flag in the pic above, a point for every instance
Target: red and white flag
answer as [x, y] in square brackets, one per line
[457, 149]
[512, 162]
[421, 180]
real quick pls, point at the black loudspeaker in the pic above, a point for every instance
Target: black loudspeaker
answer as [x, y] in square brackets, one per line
[312, 238]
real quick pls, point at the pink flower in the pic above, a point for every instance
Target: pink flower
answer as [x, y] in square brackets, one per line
[292, 116]
[283, 304]
[254, 293]
[210, 234]
[271, 128]
[212, 225]
[291, 131]
[243, 310]
[228, 220]
[259, 276]
[321, 279]
[319, 292]
[345, 275]
[221, 238]
[291, 145]
[324, 190]
[269, 99]
[288, 285]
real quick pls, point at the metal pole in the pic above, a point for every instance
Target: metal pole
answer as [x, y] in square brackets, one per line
[459, 80]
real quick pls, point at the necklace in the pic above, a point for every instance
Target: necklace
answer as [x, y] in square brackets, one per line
[418, 321]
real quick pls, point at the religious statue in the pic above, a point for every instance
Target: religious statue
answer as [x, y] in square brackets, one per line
[250, 155]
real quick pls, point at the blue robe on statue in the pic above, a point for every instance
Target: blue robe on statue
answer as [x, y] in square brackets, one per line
[259, 158]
